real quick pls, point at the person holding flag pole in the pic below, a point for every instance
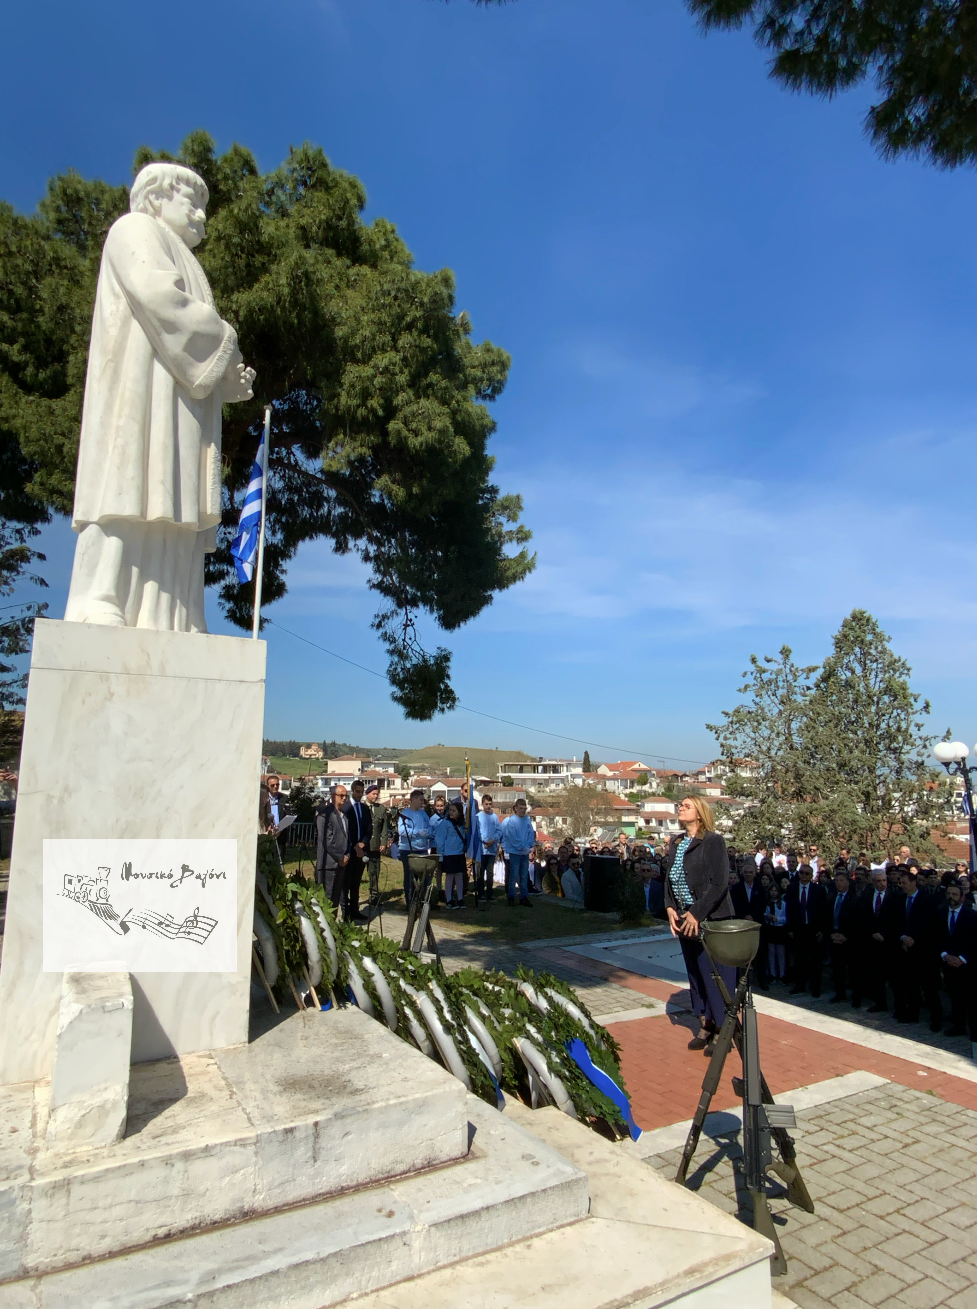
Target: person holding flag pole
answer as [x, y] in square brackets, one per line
[248, 547]
[473, 837]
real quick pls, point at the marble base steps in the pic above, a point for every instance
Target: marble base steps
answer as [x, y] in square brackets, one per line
[319, 1104]
[646, 1242]
[508, 1186]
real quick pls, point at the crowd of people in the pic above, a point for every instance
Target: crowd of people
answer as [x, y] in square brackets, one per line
[895, 934]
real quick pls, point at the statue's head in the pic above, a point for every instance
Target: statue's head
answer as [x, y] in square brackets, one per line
[175, 195]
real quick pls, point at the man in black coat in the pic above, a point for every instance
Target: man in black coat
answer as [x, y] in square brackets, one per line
[956, 944]
[845, 936]
[807, 914]
[332, 855]
[883, 913]
[359, 819]
[916, 960]
[749, 900]
[748, 896]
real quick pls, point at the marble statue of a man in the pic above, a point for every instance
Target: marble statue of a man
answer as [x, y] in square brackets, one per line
[162, 361]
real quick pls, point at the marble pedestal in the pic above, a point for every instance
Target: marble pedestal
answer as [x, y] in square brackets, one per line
[328, 1159]
[132, 734]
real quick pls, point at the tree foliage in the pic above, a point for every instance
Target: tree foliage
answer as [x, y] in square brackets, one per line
[922, 55]
[583, 805]
[380, 426]
[587, 767]
[841, 750]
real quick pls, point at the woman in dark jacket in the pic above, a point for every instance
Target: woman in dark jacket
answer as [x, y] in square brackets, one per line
[696, 889]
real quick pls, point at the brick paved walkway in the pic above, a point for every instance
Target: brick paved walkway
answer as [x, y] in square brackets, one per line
[891, 1172]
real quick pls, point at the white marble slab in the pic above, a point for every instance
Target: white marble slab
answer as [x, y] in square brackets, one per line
[90, 1088]
[132, 733]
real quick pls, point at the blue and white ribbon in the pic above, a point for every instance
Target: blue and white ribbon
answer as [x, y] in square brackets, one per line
[244, 547]
[581, 1057]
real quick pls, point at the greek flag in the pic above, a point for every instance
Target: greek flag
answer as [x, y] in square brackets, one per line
[473, 837]
[244, 547]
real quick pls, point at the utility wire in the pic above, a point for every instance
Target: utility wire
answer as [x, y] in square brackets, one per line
[598, 745]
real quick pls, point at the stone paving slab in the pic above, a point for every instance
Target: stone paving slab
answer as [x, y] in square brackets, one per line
[921, 1254]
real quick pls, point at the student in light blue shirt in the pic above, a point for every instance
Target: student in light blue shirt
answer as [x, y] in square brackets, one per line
[439, 816]
[518, 839]
[450, 841]
[489, 829]
[414, 835]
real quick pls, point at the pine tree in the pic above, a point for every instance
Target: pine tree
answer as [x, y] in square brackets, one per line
[586, 762]
[841, 751]
[872, 780]
[922, 56]
[768, 729]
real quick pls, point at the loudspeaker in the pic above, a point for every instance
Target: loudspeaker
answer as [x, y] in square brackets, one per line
[602, 882]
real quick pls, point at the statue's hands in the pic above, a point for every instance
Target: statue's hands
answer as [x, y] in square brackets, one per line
[237, 382]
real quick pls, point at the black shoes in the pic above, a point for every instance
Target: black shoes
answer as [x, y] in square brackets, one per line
[702, 1040]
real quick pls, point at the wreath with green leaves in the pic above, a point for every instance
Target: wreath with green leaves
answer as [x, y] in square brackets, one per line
[511, 1009]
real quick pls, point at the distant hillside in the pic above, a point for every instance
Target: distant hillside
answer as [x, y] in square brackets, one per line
[443, 759]
[450, 759]
[331, 749]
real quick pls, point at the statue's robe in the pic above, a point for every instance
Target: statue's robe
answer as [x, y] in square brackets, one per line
[147, 493]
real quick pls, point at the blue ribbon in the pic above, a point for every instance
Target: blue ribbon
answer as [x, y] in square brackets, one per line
[581, 1057]
[499, 1097]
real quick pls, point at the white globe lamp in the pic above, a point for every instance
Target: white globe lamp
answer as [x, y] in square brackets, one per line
[951, 752]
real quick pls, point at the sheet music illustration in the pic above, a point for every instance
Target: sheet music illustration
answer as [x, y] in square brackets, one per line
[197, 927]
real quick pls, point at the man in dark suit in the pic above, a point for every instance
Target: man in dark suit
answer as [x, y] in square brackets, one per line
[359, 819]
[748, 896]
[956, 944]
[332, 854]
[749, 901]
[845, 937]
[807, 911]
[916, 960]
[883, 913]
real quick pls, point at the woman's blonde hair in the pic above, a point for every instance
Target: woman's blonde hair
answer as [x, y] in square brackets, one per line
[706, 821]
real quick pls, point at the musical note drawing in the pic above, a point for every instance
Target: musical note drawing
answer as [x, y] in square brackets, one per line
[93, 893]
[195, 927]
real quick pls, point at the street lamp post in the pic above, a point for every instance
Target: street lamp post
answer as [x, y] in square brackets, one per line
[951, 755]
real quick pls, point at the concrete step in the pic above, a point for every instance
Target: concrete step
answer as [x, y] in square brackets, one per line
[318, 1105]
[509, 1186]
[646, 1242]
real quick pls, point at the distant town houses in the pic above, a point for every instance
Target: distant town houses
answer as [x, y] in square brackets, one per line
[543, 774]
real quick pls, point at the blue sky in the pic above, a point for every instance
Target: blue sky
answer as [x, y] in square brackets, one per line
[743, 394]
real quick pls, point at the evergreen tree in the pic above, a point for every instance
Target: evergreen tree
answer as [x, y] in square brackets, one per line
[587, 767]
[841, 750]
[380, 427]
[864, 735]
[768, 729]
[922, 56]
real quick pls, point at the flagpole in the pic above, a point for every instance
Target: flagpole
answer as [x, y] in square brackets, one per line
[259, 568]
